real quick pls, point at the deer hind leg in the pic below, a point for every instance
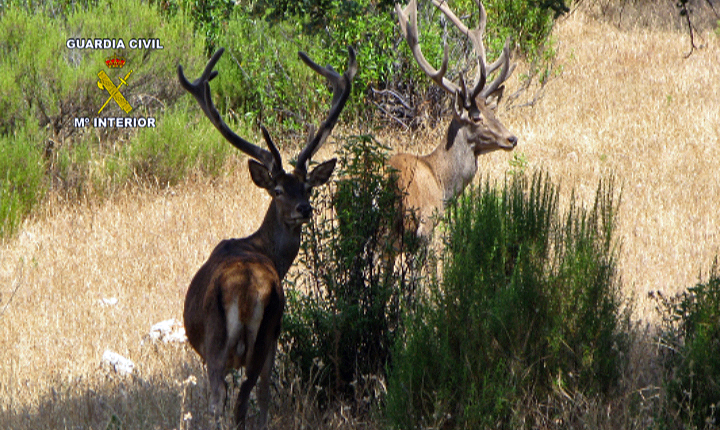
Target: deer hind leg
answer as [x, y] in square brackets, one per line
[263, 390]
[241, 407]
[260, 366]
[266, 346]
[219, 349]
[218, 392]
[252, 369]
[216, 361]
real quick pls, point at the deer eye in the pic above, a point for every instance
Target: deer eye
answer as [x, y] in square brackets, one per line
[278, 191]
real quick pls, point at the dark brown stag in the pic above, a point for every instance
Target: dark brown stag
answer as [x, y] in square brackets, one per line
[234, 305]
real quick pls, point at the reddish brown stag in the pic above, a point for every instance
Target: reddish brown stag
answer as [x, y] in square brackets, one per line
[429, 181]
[234, 305]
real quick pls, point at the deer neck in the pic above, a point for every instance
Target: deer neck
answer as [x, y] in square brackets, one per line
[453, 160]
[278, 240]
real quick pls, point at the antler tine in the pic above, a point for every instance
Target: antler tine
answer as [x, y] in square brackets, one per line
[200, 89]
[407, 18]
[505, 71]
[276, 168]
[342, 87]
[475, 37]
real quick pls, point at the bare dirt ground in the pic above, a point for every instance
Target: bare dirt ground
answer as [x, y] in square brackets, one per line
[625, 102]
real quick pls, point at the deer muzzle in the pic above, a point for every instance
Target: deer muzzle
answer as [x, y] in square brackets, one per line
[304, 210]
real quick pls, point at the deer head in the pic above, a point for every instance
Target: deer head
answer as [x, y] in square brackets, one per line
[473, 107]
[290, 191]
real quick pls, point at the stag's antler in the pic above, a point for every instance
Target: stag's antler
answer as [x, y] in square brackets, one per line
[200, 89]
[342, 86]
[408, 26]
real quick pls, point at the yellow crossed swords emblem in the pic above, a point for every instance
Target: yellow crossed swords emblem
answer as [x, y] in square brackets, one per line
[105, 83]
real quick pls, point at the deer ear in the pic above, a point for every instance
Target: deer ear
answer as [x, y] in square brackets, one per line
[261, 175]
[493, 99]
[321, 174]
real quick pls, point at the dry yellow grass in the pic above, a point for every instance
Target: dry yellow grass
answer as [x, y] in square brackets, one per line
[626, 103]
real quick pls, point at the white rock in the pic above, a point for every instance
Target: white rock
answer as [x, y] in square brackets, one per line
[170, 330]
[178, 335]
[120, 364]
[110, 301]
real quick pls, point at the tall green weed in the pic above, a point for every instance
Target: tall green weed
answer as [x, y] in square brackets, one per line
[167, 154]
[529, 305]
[22, 176]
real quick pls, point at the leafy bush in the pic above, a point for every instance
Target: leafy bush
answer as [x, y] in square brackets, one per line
[167, 154]
[263, 73]
[22, 176]
[344, 313]
[528, 22]
[39, 71]
[528, 304]
[691, 336]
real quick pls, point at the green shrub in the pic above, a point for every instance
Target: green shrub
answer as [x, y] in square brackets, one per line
[344, 313]
[22, 176]
[263, 79]
[528, 304]
[41, 74]
[528, 22]
[691, 339]
[167, 154]
[33, 79]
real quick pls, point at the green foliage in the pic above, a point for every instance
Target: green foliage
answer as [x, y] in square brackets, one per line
[262, 77]
[208, 17]
[30, 46]
[343, 314]
[691, 336]
[518, 164]
[45, 86]
[368, 26]
[527, 22]
[168, 153]
[40, 73]
[528, 304]
[22, 180]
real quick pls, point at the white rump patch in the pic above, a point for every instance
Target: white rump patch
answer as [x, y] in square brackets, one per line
[232, 320]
